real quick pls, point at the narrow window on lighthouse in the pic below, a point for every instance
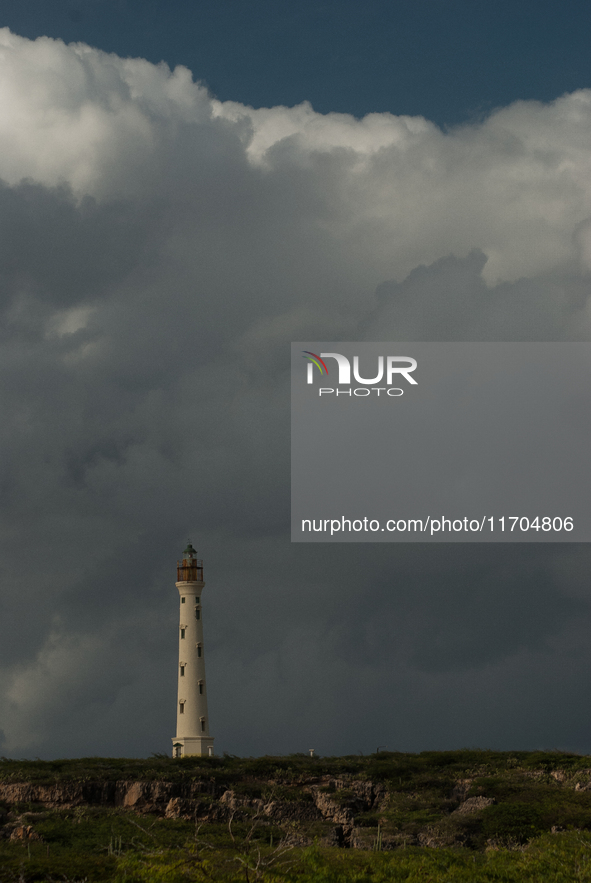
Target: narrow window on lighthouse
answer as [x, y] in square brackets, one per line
[198, 649]
[182, 633]
[196, 600]
[202, 724]
[182, 600]
[182, 671]
[181, 707]
[201, 688]
[197, 613]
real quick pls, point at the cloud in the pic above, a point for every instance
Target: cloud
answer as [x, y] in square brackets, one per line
[158, 251]
[449, 300]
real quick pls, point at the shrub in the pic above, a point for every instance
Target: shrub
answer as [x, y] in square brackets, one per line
[512, 822]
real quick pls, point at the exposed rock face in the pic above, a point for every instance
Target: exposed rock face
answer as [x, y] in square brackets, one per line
[473, 804]
[145, 796]
[196, 810]
[585, 785]
[24, 832]
[64, 796]
[331, 810]
[359, 796]
[335, 801]
[461, 788]
[138, 796]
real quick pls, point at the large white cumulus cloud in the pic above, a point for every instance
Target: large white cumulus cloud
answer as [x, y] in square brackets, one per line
[158, 251]
[396, 190]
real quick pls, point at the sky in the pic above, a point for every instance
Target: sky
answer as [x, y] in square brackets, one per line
[185, 189]
[447, 60]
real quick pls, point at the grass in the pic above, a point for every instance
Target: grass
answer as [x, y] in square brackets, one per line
[548, 859]
[403, 770]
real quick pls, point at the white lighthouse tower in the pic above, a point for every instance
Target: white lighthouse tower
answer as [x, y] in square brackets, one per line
[192, 722]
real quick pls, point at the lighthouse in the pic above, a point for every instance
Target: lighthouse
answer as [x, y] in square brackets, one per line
[192, 721]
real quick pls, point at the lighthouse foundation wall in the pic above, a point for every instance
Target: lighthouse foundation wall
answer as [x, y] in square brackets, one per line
[192, 746]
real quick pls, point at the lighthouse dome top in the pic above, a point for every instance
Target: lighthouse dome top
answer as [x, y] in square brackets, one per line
[190, 569]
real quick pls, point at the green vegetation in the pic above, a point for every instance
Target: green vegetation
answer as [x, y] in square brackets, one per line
[465, 816]
[407, 770]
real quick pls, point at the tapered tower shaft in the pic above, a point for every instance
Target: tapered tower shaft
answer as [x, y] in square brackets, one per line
[192, 720]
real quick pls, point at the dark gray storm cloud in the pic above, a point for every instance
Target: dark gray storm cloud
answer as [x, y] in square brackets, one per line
[158, 252]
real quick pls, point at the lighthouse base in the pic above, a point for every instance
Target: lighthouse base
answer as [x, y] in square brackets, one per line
[192, 746]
